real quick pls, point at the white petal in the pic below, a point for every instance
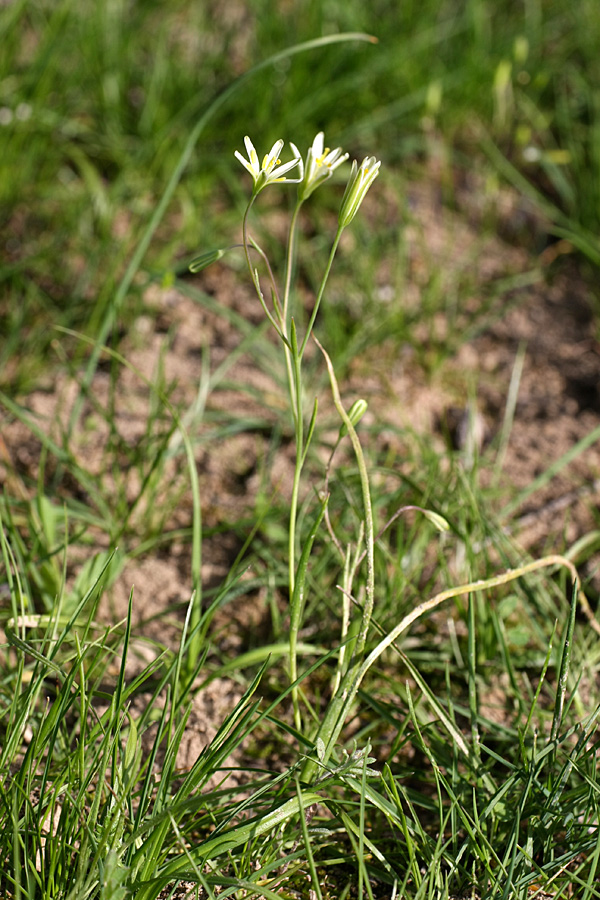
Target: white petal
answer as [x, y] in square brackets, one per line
[247, 165]
[317, 144]
[297, 154]
[272, 157]
[335, 158]
[286, 167]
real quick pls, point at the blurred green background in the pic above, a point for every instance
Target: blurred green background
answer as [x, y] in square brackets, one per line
[98, 101]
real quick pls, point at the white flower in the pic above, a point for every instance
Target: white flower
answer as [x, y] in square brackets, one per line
[271, 170]
[320, 165]
[359, 183]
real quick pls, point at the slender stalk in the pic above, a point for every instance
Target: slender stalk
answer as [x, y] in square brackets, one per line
[472, 683]
[294, 373]
[299, 419]
[284, 324]
[296, 361]
[296, 597]
[296, 392]
[289, 263]
[332, 253]
[285, 327]
[368, 509]
[254, 272]
[338, 708]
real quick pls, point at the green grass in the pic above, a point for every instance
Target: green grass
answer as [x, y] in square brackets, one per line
[118, 124]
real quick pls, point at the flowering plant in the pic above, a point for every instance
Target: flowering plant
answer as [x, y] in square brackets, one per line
[314, 170]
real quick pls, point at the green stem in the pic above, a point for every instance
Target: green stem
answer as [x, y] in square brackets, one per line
[368, 509]
[294, 374]
[295, 617]
[254, 273]
[284, 324]
[342, 700]
[297, 608]
[289, 264]
[299, 421]
[334, 247]
[294, 364]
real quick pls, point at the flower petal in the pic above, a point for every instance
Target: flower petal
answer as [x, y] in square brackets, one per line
[247, 165]
[271, 158]
[286, 167]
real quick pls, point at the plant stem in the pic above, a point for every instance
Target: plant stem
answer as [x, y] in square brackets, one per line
[285, 326]
[334, 247]
[338, 707]
[294, 365]
[289, 263]
[299, 419]
[368, 509]
[294, 373]
[254, 275]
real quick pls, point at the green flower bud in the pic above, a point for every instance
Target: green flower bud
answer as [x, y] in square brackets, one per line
[355, 414]
[207, 259]
[439, 521]
[360, 181]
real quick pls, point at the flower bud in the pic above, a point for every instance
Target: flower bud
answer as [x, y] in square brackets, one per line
[360, 181]
[206, 260]
[355, 414]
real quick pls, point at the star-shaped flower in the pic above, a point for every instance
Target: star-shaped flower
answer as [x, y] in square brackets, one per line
[271, 170]
[321, 162]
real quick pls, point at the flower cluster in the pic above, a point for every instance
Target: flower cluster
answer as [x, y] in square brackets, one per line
[321, 163]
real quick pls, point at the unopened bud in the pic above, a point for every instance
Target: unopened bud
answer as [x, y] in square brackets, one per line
[355, 414]
[206, 260]
[360, 181]
[438, 521]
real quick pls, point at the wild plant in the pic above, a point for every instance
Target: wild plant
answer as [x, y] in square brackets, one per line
[354, 654]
